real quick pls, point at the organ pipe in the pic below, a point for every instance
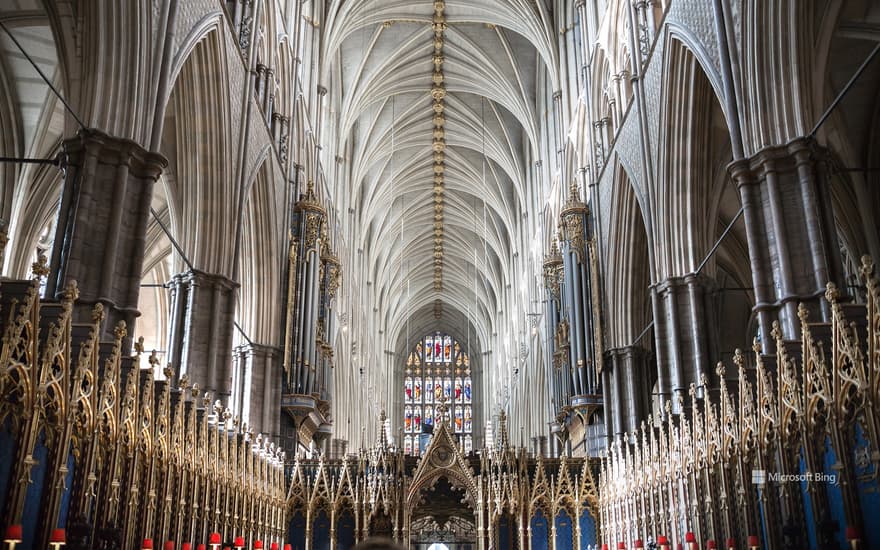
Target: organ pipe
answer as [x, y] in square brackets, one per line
[580, 308]
[313, 279]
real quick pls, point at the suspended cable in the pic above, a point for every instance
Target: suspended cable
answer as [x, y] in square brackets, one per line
[67, 106]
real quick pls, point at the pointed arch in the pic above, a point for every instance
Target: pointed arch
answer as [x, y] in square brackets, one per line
[627, 287]
[198, 141]
[263, 235]
[684, 218]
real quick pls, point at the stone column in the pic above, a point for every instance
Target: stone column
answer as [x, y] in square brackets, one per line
[630, 400]
[682, 334]
[260, 380]
[102, 224]
[201, 327]
[793, 247]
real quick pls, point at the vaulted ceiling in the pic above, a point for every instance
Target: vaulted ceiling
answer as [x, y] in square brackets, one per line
[379, 64]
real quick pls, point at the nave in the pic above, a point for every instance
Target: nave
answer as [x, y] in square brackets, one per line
[439, 274]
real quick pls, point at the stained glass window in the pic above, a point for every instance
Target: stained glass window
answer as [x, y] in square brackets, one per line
[437, 366]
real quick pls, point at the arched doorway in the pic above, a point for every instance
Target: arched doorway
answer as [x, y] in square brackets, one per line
[441, 504]
[443, 518]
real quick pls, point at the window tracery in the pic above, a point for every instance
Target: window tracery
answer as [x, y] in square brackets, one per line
[437, 367]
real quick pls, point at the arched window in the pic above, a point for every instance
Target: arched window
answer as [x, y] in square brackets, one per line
[437, 368]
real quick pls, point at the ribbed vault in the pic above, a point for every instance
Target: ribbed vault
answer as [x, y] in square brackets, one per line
[379, 128]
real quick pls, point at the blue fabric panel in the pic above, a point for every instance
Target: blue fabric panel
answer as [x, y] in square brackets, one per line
[588, 531]
[808, 506]
[345, 531]
[68, 484]
[564, 531]
[321, 531]
[296, 532]
[835, 497]
[32, 502]
[540, 532]
[868, 489]
[505, 533]
[7, 458]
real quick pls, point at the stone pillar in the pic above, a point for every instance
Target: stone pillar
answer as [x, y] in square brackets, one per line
[102, 225]
[258, 385]
[682, 334]
[631, 399]
[790, 228]
[200, 334]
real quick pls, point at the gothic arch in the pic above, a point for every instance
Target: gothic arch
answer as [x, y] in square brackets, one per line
[628, 259]
[207, 24]
[198, 141]
[850, 131]
[34, 208]
[261, 245]
[779, 40]
[442, 459]
[684, 219]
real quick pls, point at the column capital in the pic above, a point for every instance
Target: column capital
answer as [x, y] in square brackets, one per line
[197, 277]
[114, 150]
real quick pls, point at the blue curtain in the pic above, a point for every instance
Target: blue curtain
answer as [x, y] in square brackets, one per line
[540, 532]
[564, 531]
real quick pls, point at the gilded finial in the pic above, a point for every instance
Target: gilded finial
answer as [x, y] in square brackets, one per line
[692, 390]
[120, 331]
[153, 360]
[867, 266]
[831, 292]
[756, 345]
[98, 313]
[71, 292]
[183, 384]
[139, 347]
[194, 391]
[40, 268]
[167, 371]
[738, 358]
[720, 369]
[803, 313]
